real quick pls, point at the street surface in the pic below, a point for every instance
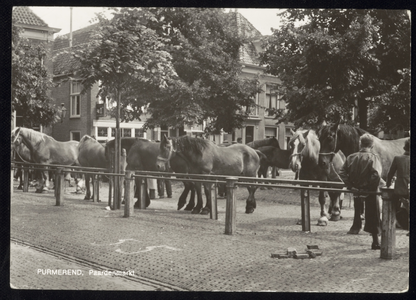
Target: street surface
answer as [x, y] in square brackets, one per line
[174, 250]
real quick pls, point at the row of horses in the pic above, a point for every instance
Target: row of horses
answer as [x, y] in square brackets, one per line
[313, 155]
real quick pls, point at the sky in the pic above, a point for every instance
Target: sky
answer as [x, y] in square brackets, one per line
[59, 17]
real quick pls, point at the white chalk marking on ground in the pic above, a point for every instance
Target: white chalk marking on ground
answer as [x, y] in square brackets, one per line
[118, 243]
[148, 248]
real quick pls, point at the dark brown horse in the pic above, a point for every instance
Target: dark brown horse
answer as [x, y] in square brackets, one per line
[347, 139]
[141, 155]
[264, 142]
[45, 149]
[204, 157]
[305, 160]
[275, 157]
[91, 154]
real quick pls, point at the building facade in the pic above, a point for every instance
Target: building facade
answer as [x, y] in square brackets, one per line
[88, 114]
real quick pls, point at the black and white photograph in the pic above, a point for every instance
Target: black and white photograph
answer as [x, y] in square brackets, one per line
[208, 149]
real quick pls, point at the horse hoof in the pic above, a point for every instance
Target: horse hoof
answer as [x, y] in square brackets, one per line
[195, 211]
[323, 221]
[20, 187]
[38, 191]
[249, 210]
[205, 211]
[353, 231]
[180, 205]
[86, 198]
[188, 208]
[335, 217]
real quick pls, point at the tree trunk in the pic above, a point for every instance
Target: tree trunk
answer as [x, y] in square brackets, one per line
[362, 113]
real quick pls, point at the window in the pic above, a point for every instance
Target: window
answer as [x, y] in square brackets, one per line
[126, 132]
[75, 136]
[102, 132]
[113, 132]
[254, 110]
[270, 132]
[138, 132]
[75, 102]
[272, 100]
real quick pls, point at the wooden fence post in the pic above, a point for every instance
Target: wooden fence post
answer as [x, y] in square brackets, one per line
[59, 187]
[305, 210]
[141, 191]
[25, 180]
[95, 188]
[214, 207]
[110, 189]
[230, 209]
[128, 195]
[388, 225]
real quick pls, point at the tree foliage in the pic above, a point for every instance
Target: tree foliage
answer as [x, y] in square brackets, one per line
[127, 59]
[180, 64]
[341, 59]
[31, 82]
[205, 49]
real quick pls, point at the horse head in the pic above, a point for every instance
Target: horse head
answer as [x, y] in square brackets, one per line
[296, 145]
[165, 153]
[16, 139]
[328, 137]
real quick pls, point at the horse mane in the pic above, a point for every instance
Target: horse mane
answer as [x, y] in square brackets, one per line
[85, 139]
[35, 136]
[312, 147]
[190, 144]
[297, 134]
[348, 129]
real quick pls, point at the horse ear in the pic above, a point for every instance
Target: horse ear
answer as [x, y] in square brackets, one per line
[292, 132]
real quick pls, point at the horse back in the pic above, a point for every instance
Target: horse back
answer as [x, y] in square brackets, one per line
[237, 159]
[143, 155]
[387, 150]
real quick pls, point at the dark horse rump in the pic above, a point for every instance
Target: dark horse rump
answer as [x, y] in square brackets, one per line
[204, 157]
[141, 155]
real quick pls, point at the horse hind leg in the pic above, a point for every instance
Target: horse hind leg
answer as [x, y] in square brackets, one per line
[251, 201]
[191, 203]
[207, 189]
[88, 195]
[198, 207]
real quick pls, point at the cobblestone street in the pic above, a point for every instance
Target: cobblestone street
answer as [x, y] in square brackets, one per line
[175, 250]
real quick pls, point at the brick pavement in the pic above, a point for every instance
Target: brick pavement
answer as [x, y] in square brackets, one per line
[190, 252]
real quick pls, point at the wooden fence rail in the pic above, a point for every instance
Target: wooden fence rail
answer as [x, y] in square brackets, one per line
[388, 222]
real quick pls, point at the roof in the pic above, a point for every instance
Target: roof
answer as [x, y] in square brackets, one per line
[248, 52]
[63, 60]
[24, 15]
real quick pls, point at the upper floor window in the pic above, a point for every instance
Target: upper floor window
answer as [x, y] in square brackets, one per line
[272, 100]
[75, 99]
[254, 110]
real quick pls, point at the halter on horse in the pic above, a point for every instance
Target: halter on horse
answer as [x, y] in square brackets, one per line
[305, 159]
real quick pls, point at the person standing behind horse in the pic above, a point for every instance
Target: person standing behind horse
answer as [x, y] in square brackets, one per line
[401, 167]
[361, 172]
